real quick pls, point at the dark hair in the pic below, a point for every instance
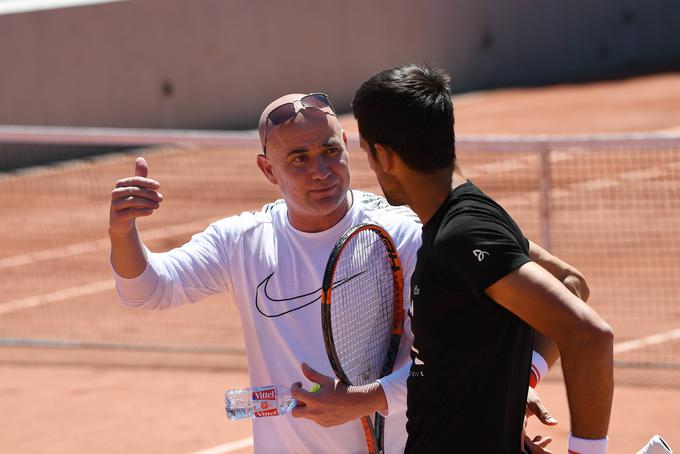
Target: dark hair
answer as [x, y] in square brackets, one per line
[409, 108]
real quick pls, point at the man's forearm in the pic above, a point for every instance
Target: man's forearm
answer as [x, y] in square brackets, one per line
[588, 373]
[370, 398]
[127, 254]
[585, 341]
[569, 276]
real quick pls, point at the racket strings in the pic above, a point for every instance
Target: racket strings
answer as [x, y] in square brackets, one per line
[363, 307]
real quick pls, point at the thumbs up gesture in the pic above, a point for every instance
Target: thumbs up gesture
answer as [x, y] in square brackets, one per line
[133, 197]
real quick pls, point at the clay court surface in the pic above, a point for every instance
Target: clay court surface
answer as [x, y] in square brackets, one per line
[56, 282]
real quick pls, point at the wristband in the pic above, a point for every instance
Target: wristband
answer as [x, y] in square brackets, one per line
[587, 446]
[539, 369]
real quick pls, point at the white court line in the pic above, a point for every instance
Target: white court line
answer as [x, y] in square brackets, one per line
[55, 253]
[59, 295]
[654, 339]
[96, 245]
[643, 174]
[228, 447]
[596, 184]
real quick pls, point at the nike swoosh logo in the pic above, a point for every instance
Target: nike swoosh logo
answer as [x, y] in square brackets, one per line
[272, 301]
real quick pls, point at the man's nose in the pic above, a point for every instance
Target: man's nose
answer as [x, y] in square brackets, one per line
[320, 169]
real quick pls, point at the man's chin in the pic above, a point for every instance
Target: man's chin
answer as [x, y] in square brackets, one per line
[329, 201]
[393, 200]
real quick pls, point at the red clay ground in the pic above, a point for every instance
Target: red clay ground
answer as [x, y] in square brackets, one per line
[118, 402]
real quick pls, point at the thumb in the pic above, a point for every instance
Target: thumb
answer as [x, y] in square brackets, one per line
[315, 376]
[141, 169]
[542, 413]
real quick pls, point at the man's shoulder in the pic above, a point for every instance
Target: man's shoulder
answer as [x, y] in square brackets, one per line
[377, 207]
[470, 209]
[250, 220]
[401, 222]
[468, 200]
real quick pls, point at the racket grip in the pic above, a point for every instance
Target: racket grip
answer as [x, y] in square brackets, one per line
[369, 433]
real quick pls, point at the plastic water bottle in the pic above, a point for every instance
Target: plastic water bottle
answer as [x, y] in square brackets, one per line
[258, 402]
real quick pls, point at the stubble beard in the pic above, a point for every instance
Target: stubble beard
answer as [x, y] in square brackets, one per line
[391, 196]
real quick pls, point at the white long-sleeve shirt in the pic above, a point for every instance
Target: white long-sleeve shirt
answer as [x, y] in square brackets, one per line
[275, 273]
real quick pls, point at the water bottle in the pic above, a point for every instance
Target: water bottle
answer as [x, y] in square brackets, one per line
[258, 402]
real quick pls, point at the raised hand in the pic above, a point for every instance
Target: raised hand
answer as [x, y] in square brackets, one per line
[133, 197]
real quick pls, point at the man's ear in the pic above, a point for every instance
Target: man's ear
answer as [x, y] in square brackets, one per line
[266, 168]
[385, 157]
[344, 138]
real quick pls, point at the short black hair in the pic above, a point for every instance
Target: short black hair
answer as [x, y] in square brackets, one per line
[409, 108]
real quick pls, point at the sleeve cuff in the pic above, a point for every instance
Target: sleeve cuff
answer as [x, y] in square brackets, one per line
[394, 387]
[136, 289]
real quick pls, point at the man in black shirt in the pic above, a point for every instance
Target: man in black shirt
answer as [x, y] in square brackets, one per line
[476, 294]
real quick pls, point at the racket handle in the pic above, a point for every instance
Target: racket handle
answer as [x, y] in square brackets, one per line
[379, 423]
[369, 433]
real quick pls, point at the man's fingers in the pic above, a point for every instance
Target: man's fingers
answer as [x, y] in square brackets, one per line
[541, 441]
[135, 191]
[303, 396]
[308, 413]
[298, 393]
[133, 202]
[132, 198]
[536, 407]
[299, 412]
[537, 445]
[141, 168]
[542, 413]
[315, 376]
[139, 182]
[133, 213]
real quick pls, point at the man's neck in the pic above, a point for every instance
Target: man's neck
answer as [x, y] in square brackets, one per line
[320, 223]
[427, 192]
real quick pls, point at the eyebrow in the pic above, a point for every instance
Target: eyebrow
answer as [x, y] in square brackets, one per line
[330, 143]
[295, 151]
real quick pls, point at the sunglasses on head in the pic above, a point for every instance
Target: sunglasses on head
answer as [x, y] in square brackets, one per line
[285, 112]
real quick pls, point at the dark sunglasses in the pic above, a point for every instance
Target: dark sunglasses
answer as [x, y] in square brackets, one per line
[288, 110]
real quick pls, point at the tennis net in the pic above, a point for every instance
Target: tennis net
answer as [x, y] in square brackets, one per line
[608, 204]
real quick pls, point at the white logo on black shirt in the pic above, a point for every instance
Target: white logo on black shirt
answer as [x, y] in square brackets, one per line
[480, 254]
[416, 290]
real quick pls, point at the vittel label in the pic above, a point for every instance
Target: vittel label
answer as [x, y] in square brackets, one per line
[264, 401]
[266, 393]
[271, 412]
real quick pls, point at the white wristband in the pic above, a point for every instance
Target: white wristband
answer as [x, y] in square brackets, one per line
[539, 369]
[587, 446]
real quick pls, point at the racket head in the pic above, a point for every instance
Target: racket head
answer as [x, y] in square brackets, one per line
[362, 310]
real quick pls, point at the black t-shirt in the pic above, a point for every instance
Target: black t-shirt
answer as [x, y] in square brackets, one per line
[468, 383]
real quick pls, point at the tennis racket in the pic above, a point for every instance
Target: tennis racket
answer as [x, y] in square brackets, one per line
[362, 313]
